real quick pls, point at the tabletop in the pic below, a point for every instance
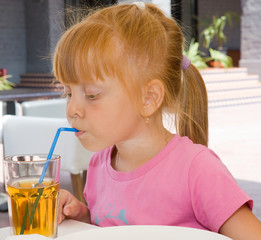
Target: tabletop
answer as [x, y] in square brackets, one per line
[65, 228]
[71, 229]
[22, 94]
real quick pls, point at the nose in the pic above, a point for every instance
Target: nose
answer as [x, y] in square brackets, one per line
[74, 107]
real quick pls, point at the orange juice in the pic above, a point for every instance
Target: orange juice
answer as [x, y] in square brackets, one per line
[23, 193]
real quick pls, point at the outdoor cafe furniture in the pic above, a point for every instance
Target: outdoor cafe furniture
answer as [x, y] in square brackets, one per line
[10, 97]
[52, 108]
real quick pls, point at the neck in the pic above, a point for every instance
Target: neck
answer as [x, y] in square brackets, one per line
[135, 152]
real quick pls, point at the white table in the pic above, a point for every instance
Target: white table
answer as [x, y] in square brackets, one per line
[65, 228]
[70, 229]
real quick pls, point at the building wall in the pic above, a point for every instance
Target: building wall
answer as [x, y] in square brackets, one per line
[37, 36]
[12, 37]
[207, 8]
[42, 32]
[56, 22]
[251, 36]
[29, 32]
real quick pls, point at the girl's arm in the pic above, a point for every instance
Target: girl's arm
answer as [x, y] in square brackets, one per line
[71, 207]
[242, 225]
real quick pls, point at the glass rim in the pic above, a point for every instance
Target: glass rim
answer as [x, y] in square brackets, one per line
[10, 159]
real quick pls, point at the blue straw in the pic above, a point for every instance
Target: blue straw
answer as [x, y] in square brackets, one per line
[52, 149]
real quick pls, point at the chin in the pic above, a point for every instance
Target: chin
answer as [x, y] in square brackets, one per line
[90, 147]
[93, 147]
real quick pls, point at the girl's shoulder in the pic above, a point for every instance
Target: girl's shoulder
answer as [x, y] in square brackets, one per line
[200, 159]
[183, 145]
[189, 154]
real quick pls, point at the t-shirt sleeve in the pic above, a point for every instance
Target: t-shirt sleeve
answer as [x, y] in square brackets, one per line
[215, 195]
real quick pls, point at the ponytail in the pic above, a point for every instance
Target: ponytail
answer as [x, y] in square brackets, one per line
[192, 115]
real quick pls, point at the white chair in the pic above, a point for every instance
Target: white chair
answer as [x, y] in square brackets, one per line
[52, 108]
[34, 135]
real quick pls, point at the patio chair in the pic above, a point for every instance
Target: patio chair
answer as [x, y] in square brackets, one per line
[34, 135]
[52, 108]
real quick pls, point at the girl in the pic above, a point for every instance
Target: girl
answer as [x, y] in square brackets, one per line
[122, 68]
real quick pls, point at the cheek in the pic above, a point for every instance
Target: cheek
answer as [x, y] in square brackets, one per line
[103, 120]
[69, 118]
[123, 115]
[69, 109]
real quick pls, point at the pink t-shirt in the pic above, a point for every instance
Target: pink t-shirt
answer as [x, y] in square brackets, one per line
[185, 184]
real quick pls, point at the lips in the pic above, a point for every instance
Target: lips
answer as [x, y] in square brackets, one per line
[78, 134]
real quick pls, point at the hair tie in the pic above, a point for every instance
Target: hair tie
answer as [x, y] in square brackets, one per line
[140, 5]
[185, 63]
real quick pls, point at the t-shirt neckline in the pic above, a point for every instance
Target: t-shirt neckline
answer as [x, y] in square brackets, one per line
[126, 176]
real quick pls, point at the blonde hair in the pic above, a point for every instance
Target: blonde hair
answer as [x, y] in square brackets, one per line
[136, 45]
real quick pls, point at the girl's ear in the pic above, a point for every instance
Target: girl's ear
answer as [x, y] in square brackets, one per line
[152, 97]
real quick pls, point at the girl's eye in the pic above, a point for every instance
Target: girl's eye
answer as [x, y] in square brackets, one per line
[91, 96]
[67, 95]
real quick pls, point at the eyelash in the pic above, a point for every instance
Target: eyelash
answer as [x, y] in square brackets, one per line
[90, 97]
[66, 95]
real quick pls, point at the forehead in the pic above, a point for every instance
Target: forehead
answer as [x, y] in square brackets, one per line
[87, 52]
[105, 84]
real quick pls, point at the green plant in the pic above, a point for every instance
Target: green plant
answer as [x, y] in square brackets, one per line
[5, 84]
[194, 55]
[220, 57]
[199, 60]
[216, 29]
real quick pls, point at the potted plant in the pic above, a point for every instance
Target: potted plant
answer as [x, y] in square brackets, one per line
[219, 59]
[195, 56]
[198, 59]
[215, 30]
[5, 84]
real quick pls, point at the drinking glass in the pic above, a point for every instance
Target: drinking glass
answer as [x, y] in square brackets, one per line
[32, 206]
